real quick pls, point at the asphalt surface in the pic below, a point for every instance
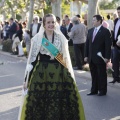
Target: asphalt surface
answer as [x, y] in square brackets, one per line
[11, 79]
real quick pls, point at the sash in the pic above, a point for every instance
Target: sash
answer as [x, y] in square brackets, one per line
[53, 50]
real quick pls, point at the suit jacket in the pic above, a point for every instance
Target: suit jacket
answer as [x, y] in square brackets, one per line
[114, 41]
[31, 29]
[102, 43]
[64, 31]
[19, 34]
[12, 30]
[70, 43]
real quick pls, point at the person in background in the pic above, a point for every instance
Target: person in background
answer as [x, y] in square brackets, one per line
[69, 25]
[78, 35]
[40, 20]
[19, 36]
[79, 17]
[116, 49]
[63, 22]
[105, 24]
[111, 27]
[62, 28]
[1, 28]
[5, 30]
[115, 15]
[34, 27]
[24, 25]
[19, 32]
[12, 28]
[26, 39]
[110, 22]
[17, 23]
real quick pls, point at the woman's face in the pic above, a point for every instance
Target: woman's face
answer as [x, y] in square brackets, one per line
[49, 23]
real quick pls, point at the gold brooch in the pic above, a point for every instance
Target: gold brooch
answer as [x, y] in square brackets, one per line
[46, 43]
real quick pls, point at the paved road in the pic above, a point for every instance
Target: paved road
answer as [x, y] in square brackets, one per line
[11, 79]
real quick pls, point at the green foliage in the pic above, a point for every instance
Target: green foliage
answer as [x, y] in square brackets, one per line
[18, 17]
[25, 51]
[48, 2]
[65, 8]
[7, 45]
[13, 7]
[47, 9]
[104, 4]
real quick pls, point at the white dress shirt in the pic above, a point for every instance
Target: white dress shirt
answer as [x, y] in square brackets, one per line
[97, 28]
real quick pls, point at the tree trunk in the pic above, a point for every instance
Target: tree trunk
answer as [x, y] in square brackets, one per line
[92, 10]
[56, 7]
[42, 13]
[24, 16]
[4, 16]
[78, 5]
[75, 7]
[31, 10]
[98, 10]
[2, 3]
[12, 13]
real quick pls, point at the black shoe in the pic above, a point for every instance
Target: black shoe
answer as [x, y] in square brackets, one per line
[20, 55]
[118, 81]
[114, 81]
[77, 68]
[13, 53]
[101, 94]
[92, 93]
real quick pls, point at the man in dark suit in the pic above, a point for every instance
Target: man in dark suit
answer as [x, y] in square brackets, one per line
[62, 27]
[69, 25]
[34, 27]
[116, 50]
[98, 40]
[12, 28]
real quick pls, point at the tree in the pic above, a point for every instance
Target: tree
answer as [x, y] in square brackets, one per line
[56, 6]
[30, 13]
[13, 8]
[92, 10]
[2, 3]
[65, 8]
[105, 4]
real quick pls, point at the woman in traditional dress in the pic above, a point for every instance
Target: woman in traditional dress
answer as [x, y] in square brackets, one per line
[52, 92]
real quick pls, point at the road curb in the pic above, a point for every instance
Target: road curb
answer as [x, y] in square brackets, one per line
[14, 56]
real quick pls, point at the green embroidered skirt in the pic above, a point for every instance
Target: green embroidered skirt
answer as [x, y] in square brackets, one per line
[72, 55]
[52, 95]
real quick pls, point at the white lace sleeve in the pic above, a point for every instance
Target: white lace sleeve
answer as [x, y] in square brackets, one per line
[34, 50]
